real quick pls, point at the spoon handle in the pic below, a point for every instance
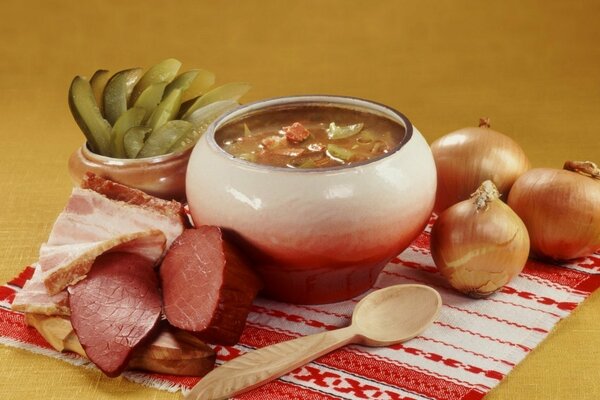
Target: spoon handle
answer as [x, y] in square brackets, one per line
[268, 363]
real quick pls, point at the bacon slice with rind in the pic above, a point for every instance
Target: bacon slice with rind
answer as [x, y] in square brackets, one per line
[116, 191]
[34, 298]
[91, 217]
[71, 263]
[67, 264]
[101, 217]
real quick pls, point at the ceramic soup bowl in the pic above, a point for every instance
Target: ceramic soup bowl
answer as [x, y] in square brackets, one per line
[315, 235]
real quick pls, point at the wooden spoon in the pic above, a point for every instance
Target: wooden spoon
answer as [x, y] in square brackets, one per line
[384, 317]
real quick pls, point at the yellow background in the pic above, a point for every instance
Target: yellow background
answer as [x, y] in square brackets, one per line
[532, 66]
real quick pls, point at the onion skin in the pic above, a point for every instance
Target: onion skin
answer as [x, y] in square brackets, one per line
[469, 156]
[561, 210]
[478, 252]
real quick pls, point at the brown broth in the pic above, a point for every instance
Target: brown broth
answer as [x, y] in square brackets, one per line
[260, 137]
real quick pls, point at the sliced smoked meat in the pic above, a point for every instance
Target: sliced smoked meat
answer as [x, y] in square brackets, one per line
[115, 308]
[207, 286]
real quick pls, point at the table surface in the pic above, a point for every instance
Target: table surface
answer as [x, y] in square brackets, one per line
[531, 66]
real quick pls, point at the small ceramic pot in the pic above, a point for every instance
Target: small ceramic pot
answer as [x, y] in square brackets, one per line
[315, 235]
[161, 176]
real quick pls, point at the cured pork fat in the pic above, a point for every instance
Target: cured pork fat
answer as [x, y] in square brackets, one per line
[90, 217]
[67, 264]
[207, 287]
[96, 218]
[115, 308]
[116, 191]
[34, 297]
[71, 263]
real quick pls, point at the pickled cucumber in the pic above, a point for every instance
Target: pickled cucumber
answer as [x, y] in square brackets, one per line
[86, 113]
[129, 119]
[150, 98]
[204, 80]
[163, 138]
[229, 91]
[133, 114]
[338, 152]
[98, 82]
[117, 92]
[203, 117]
[200, 120]
[164, 71]
[166, 110]
[336, 132]
[182, 82]
[186, 140]
[133, 141]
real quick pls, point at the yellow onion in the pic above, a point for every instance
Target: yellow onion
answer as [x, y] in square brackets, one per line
[480, 244]
[561, 209]
[469, 156]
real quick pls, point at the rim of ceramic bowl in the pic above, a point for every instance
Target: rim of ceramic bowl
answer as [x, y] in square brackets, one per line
[332, 100]
[132, 161]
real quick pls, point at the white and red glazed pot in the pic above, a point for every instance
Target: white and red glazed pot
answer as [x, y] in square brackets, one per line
[315, 235]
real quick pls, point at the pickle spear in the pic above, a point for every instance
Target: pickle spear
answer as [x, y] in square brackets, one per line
[229, 91]
[182, 82]
[98, 82]
[200, 85]
[162, 139]
[117, 92]
[127, 120]
[166, 110]
[150, 98]
[87, 115]
[204, 116]
[201, 119]
[164, 71]
[133, 140]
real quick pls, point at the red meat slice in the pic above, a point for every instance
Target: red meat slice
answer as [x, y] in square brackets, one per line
[115, 308]
[207, 287]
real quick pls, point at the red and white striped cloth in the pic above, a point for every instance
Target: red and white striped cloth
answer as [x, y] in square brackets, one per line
[468, 350]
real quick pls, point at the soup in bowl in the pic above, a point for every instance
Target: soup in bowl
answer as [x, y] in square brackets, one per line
[321, 191]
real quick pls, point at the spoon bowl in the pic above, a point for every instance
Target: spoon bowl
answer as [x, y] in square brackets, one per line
[384, 317]
[395, 314]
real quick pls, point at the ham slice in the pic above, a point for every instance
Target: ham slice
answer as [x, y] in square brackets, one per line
[115, 309]
[207, 287]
